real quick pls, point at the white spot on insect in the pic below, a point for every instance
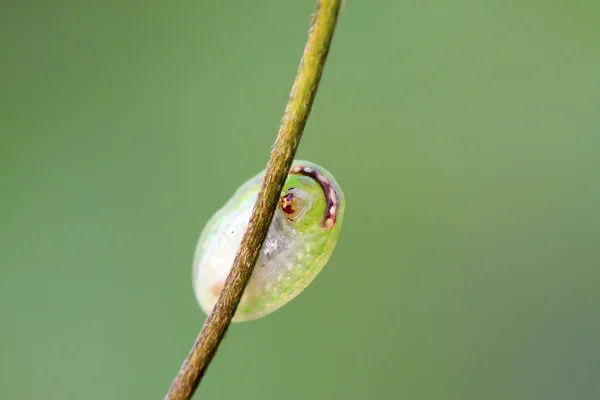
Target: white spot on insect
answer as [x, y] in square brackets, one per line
[308, 170]
[332, 210]
[270, 246]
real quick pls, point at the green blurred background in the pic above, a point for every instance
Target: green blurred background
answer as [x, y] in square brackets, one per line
[464, 133]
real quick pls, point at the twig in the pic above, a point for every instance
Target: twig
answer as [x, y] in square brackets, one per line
[282, 155]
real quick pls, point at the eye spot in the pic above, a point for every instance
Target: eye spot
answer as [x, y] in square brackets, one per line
[287, 203]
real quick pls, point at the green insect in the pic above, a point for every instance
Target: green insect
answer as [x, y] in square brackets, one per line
[304, 231]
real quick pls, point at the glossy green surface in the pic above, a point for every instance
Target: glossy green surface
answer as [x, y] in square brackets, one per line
[465, 135]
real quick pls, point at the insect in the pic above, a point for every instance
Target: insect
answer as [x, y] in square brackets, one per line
[304, 231]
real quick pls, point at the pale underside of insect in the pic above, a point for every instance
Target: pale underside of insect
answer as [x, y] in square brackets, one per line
[302, 236]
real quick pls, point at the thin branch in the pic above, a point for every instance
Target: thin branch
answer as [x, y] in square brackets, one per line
[282, 155]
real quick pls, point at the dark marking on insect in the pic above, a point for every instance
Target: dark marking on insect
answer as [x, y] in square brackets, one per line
[331, 197]
[287, 205]
[287, 202]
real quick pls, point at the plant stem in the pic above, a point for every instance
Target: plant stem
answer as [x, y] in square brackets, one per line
[296, 113]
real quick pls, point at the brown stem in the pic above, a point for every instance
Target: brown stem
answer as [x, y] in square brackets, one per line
[282, 155]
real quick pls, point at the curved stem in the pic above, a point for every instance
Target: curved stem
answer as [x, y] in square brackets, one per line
[296, 113]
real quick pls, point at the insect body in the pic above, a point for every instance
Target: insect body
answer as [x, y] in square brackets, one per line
[302, 236]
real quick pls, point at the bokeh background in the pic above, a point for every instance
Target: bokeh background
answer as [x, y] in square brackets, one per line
[464, 133]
